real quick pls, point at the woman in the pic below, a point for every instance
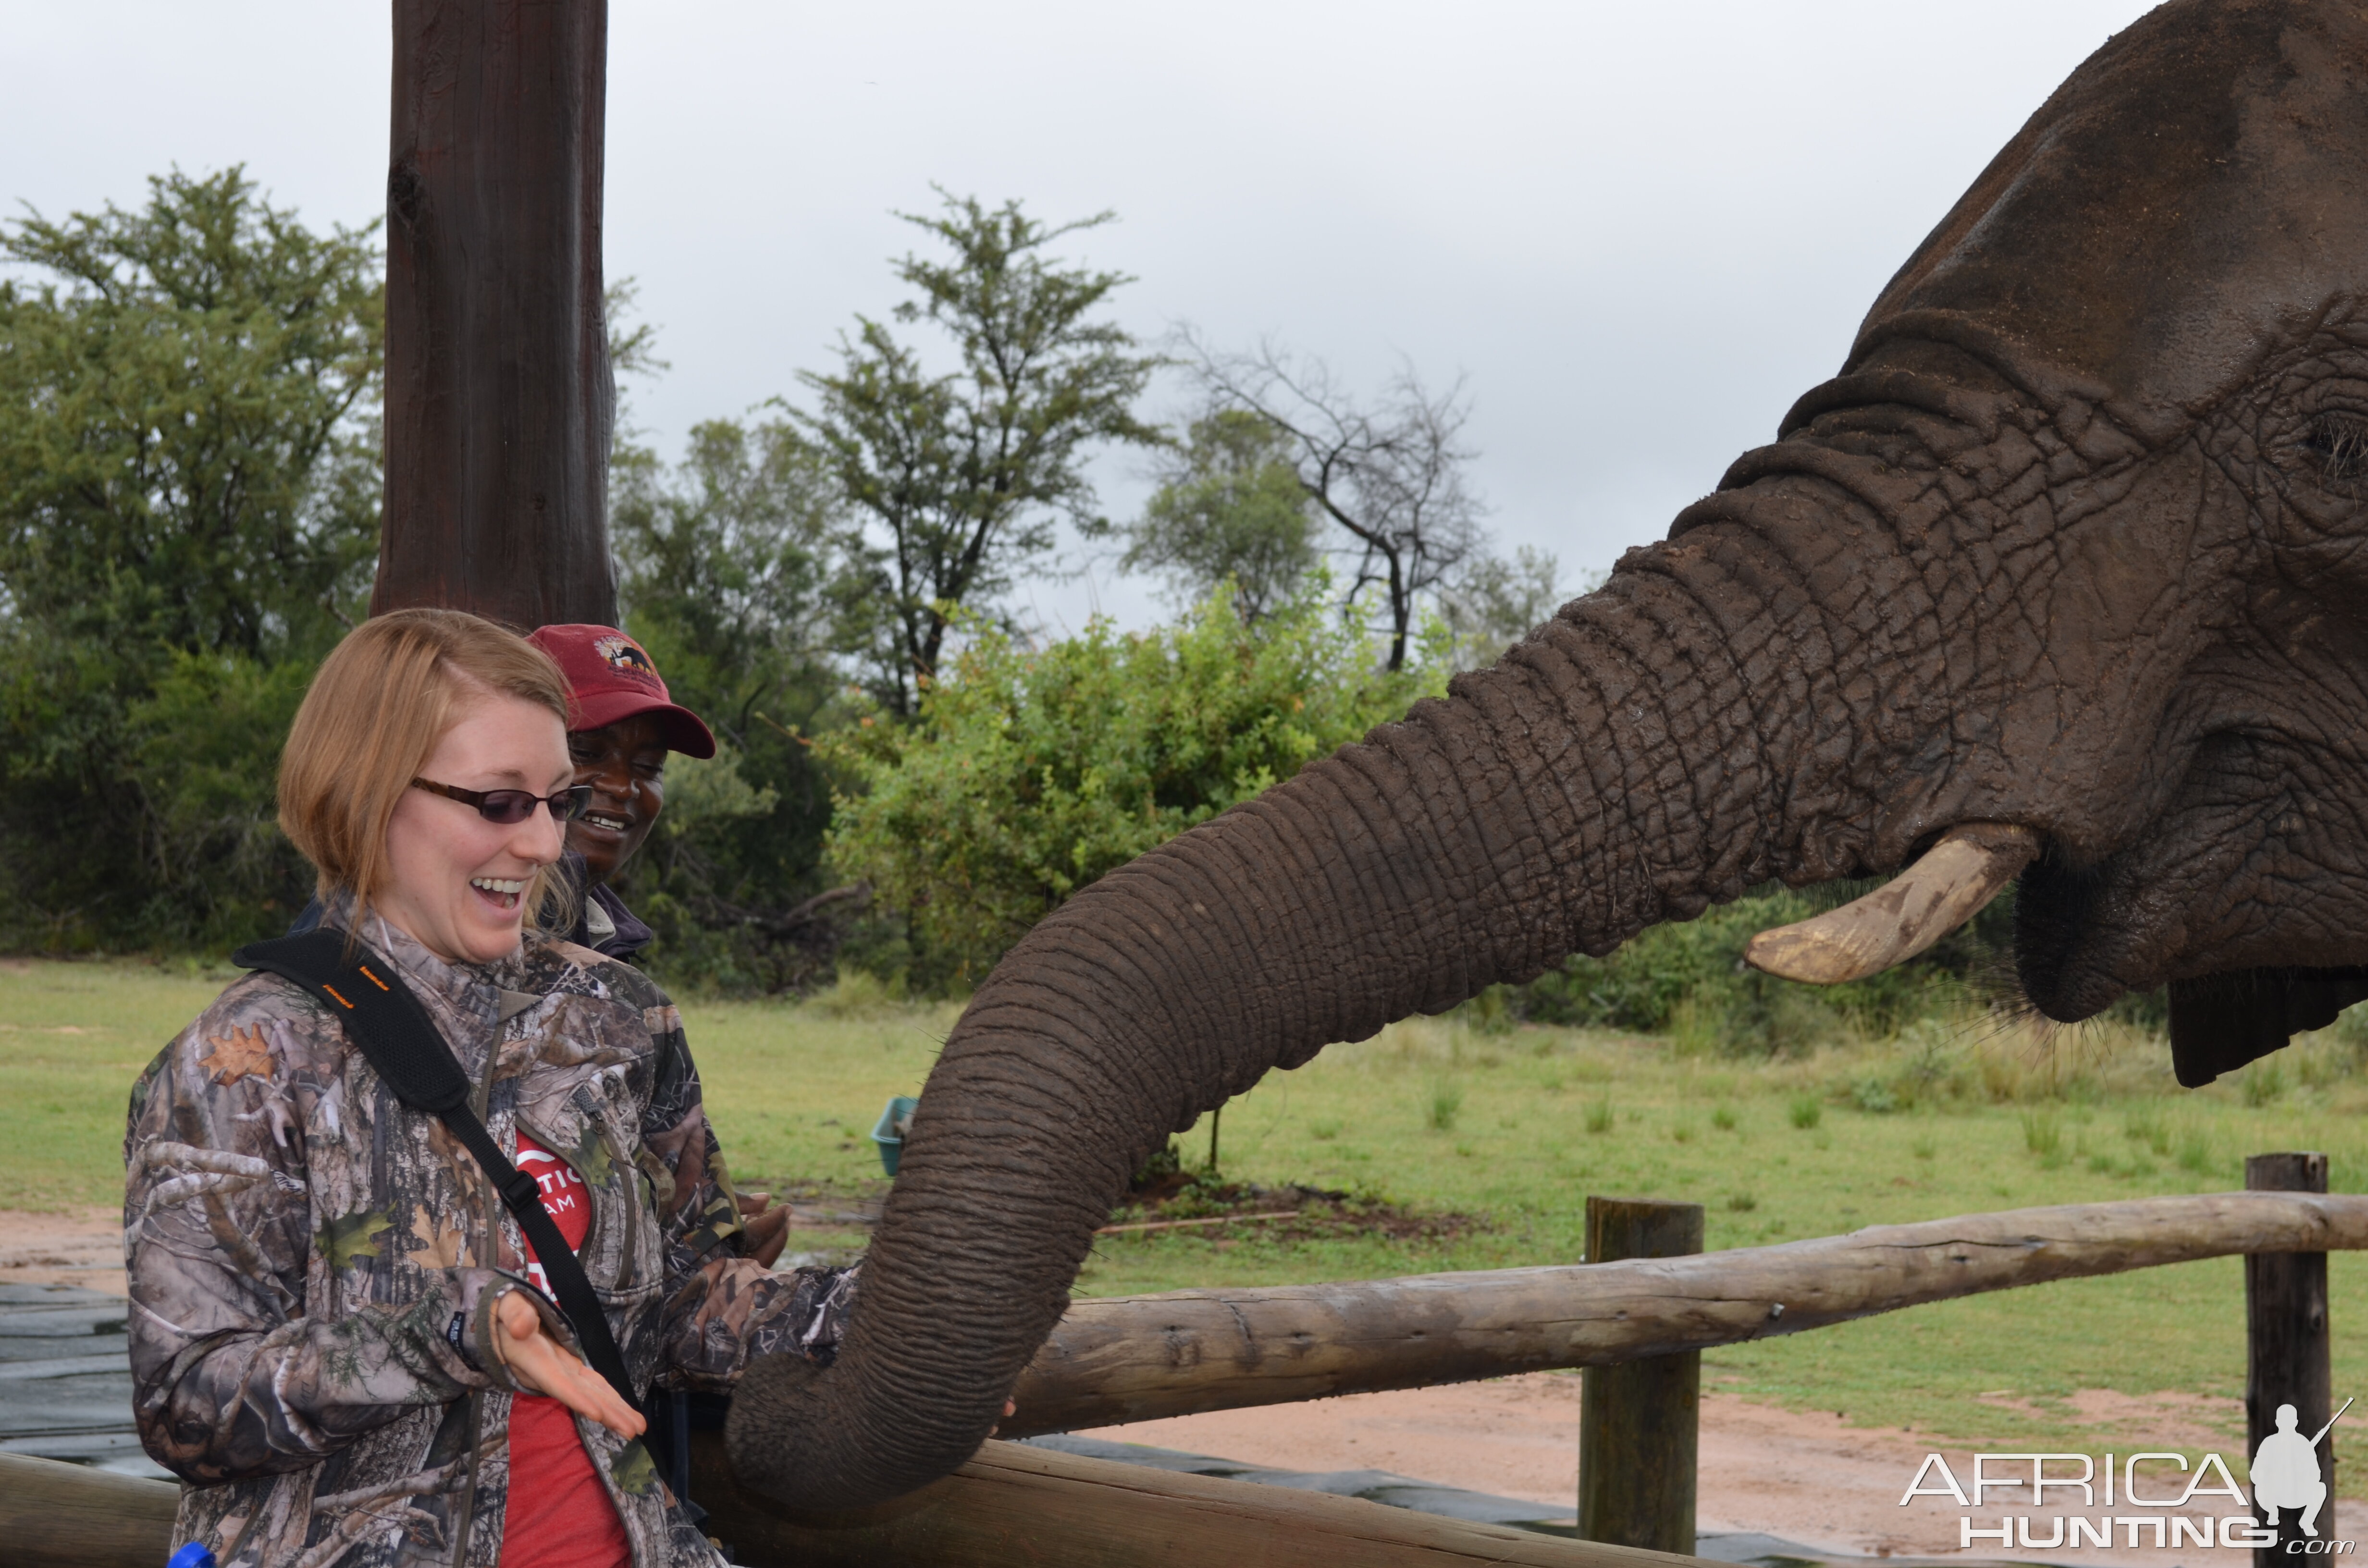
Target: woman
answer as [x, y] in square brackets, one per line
[333, 1336]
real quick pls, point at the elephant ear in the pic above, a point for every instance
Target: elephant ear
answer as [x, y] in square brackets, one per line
[2222, 1021]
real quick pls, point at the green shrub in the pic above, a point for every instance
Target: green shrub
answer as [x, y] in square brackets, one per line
[1027, 774]
[1874, 1093]
[1687, 980]
[1446, 1103]
[2042, 1134]
[2262, 1083]
[1723, 1119]
[1805, 1112]
[1599, 1117]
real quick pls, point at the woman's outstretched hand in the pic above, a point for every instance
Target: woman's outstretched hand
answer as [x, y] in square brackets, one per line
[766, 1227]
[541, 1365]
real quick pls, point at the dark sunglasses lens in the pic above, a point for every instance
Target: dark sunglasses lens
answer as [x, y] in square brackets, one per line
[506, 807]
[575, 804]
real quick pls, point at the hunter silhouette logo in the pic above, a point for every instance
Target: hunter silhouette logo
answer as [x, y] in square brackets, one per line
[2150, 1499]
[2285, 1471]
[626, 658]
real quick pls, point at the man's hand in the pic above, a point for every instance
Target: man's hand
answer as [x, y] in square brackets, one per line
[541, 1365]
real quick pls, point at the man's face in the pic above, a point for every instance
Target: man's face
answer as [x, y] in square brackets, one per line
[625, 765]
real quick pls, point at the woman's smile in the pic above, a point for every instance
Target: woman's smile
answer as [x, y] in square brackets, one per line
[502, 892]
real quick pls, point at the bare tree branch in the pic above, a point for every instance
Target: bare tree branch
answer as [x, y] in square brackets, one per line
[1391, 474]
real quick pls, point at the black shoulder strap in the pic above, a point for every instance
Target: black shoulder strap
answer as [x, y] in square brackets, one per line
[398, 1038]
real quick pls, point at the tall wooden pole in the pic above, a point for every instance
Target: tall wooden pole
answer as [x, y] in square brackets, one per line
[500, 399]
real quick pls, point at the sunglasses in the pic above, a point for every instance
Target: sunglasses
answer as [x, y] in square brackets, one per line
[509, 807]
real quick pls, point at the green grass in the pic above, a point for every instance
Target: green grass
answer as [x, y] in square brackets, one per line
[1519, 1126]
[72, 1037]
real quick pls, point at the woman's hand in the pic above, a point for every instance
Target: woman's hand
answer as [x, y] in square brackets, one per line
[766, 1229]
[539, 1364]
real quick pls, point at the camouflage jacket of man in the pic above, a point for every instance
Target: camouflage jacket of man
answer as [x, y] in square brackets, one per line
[313, 1265]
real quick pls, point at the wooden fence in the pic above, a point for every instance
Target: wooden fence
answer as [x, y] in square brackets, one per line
[1126, 1358]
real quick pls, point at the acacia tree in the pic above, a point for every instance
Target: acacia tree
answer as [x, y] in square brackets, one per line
[1391, 473]
[958, 478]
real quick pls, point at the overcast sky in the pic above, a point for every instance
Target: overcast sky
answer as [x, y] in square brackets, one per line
[1639, 232]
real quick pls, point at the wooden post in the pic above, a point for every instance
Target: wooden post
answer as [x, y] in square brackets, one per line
[2287, 1343]
[499, 395]
[1638, 1422]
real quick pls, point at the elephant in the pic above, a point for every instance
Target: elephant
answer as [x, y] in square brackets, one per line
[2073, 548]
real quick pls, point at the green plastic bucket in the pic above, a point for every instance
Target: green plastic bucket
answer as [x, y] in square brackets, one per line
[890, 1133]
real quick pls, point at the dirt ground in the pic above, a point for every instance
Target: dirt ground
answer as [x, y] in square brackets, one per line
[1806, 1478]
[83, 1247]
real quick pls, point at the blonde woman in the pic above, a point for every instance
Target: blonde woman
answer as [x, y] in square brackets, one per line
[338, 1336]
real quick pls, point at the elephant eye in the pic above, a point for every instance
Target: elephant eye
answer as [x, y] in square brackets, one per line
[2339, 442]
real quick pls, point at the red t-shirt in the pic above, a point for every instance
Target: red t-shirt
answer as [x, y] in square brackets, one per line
[560, 1514]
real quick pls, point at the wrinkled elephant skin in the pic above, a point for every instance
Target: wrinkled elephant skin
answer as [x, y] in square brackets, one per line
[2074, 542]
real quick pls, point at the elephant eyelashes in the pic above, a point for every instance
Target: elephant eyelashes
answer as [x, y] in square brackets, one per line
[2339, 442]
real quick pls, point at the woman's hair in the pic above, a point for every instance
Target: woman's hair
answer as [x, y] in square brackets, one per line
[381, 701]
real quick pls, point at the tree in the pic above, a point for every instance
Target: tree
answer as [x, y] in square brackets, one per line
[188, 457]
[960, 477]
[1389, 474]
[1494, 602]
[1229, 509]
[1027, 774]
[731, 574]
[189, 511]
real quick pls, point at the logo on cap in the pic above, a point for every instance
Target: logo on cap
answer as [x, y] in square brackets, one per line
[626, 659]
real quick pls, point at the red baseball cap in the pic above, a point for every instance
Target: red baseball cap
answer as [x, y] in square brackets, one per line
[611, 678]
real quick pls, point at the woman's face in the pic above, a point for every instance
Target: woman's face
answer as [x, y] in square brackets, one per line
[625, 765]
[457, 882]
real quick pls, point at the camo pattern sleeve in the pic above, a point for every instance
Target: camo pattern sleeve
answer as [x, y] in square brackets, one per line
[722, 1308]
[252, 1351]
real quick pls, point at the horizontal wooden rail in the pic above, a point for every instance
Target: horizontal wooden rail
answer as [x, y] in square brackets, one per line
[1012, 1505]
[1136, 1358]
[68, 1515]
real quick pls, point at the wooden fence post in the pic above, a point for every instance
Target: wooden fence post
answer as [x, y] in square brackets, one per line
[1638, 1422]
[2286, 1344]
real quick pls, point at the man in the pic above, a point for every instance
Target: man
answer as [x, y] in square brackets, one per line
[626, 724]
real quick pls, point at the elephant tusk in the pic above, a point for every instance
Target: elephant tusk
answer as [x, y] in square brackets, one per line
[1904, 916]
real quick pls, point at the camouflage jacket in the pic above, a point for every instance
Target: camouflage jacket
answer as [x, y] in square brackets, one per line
[313, 1265]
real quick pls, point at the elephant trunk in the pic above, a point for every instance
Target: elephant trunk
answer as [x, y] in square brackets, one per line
[1643, 754]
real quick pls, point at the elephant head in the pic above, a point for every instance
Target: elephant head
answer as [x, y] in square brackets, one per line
[2076, 542]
